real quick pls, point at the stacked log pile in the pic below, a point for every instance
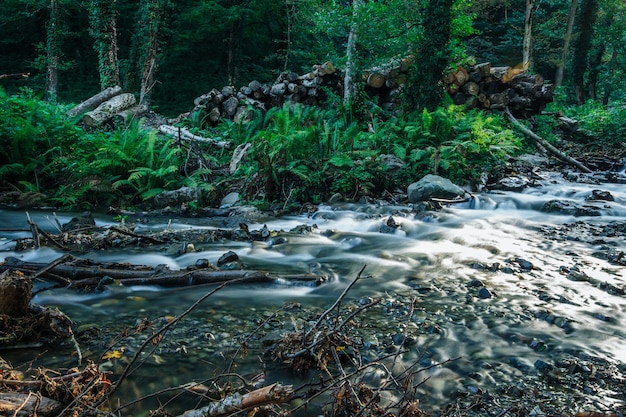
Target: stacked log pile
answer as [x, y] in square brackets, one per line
[481, 86]
[233, 104]
[499, 88]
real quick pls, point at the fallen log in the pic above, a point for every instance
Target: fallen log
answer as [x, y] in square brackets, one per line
[272, 394]
[182, 133]
[20, 404]
[92, 274]
[94, 101]
[108, 109]
[547, 145]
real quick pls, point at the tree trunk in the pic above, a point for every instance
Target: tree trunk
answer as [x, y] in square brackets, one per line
[53, 47]
[587, 19]
[547, 145]
[558, 79]
[103, 27]
[94, 101]
[350, 73]
[15, 293]
[528, 34]
[108, 109]
[153, 21]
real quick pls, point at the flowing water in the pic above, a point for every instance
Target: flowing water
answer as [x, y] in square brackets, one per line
[495, 281]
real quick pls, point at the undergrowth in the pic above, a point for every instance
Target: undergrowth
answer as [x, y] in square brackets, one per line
[298, 154]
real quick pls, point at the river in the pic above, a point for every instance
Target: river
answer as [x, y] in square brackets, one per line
[497, 282]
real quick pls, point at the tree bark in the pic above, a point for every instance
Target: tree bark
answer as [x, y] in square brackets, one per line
[19, 404]
[92, 275]
[272, 394]
[558, 79]
[103, 27]
[182, 133]
[547, 145]
[53, 47]
[528, 34]
[94, 101]
[108, 109]
[153, 21]
[350, 73]
[15, 294]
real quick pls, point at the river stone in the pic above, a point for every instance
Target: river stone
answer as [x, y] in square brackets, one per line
[600, 195]
[515, 184]
[391, 162]
[433, 186]
[230, 200]
[570, 208]
[176, 198]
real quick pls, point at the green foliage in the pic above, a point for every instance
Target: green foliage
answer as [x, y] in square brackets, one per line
[604, 125]
[41, 150]
[139, 164]
[457, 145]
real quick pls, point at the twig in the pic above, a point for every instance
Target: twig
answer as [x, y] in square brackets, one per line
[336, 303]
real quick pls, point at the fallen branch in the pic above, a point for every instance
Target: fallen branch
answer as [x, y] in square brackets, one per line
[127, 274]
[272, 394]
[94, 101]
[541, 141]
[184, 134]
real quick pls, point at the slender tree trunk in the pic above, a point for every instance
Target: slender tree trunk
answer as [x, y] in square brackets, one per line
[103, 15]
[594, 71]
[52, 81]
[587, 20]
[558, 79]
[290, 7]
[350, 73]
[153, 17]
[608, 89]
[528, 34]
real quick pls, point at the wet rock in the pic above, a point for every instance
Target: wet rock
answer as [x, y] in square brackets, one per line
[570, 208]
[230, 200]
[524, 264]
[475, 283]
[600, 195]
[516, 184]
[228, 257]
[433, 186]
[484, 293]
[84, 220]
[390, 226]
[176, 198]
[391, 163]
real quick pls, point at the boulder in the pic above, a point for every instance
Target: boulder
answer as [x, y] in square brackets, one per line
[434, 186]
[176, 198]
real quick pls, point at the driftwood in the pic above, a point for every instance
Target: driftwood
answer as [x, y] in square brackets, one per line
[108, 109]
[28, 404]
[96, 274]
[272, 394]
[184, 134]
[545, 144]
[94, 101]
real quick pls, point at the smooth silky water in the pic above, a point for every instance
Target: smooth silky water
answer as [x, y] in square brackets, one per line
[431, 258]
